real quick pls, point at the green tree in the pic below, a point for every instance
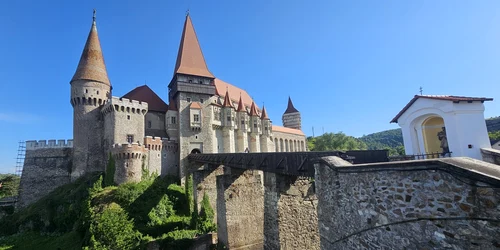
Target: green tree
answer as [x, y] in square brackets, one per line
[337, 141]
[205, 220]
[9, 185]
[110, 172]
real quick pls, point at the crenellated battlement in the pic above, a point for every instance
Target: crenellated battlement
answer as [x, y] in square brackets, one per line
[33, 144]
[154, 143]
[128, 151]
[125, 105]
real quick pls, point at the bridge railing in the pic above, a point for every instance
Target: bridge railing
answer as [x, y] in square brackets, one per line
[286, 163]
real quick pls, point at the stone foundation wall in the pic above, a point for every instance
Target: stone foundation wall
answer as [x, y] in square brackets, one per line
[204, 182]
[409, 205]
[240, 210]
[44, 170]
[290, 207]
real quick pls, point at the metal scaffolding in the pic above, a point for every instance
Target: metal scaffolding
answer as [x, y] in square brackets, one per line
[21, 154]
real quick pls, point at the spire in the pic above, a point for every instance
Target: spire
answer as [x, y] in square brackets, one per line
[227, 100]
[253, 110]
[290, 108]
[190, 59]
[241, 106]
[264, 114]
[91, 66]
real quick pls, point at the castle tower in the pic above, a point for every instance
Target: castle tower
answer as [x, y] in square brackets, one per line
[90, 89]
[266, 131]
[192, 82]
[172, 117]
[128, 162]
[255, 130]
[291, 117]
[242, 132]
[227, 117]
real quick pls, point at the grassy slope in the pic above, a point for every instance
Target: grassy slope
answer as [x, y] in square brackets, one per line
[68, 241]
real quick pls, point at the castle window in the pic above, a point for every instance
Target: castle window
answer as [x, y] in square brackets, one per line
[86, 91]
[128, 117]
[188, 99]
[172, 119]
[149, 124]
[242, 122]
[201, 82]
[201, 100]
[98, 92]
[229, 118]
[255, 124]
[196, 118]
[190, 81]
[130, 138]
[265, 128]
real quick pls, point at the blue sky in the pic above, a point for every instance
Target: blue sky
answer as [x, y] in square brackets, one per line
[348, 65]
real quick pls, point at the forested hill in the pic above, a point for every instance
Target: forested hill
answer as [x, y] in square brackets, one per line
[393, 138]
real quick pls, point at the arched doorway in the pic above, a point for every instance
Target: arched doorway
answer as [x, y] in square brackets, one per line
[434, 135]
[195, 151]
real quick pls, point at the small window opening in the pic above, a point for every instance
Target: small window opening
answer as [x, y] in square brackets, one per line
[172, 119]
[128, 117]
[201, 100]
[188, 99]
[190, 81]
[196, 118]
[149, 124]
[130, 138]
[86, 91]
[98, 92]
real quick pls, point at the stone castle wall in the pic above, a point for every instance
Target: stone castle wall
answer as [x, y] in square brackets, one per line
[44, 170]
[286, 142]
[409, 205]
[129, 159]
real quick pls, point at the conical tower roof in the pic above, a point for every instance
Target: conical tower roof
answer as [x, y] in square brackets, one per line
[264, 114]
[91, 66]
[241, 106]
[190, 59]
[290, 108]
[253, 110]
[227, 100]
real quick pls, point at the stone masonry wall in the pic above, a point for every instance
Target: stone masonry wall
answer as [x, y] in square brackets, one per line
[290, 213]
[44, 170]
[240, 210]
[409, 205]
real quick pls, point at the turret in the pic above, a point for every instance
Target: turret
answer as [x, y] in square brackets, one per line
[266, 123]
[128, 162]
[242, 126]
[291, 117]
[255, 130]
[228, 112]
[90, 90]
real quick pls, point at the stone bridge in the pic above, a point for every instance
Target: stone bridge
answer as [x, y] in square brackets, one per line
[311, 200]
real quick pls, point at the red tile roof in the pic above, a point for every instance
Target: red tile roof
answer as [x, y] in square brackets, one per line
[227, 100]
[287, 130]
[195, 105]
[222, 87]
[253, 110]
[290, 108]
[440, 97]
[91, 65]
[241, 106]
[264, 114]
[190, 59]
[145, 94]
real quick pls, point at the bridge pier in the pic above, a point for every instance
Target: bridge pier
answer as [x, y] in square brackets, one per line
[290, 213]
[204, 182]
[240, 209]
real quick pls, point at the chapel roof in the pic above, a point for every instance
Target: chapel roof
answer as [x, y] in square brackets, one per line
[451, 98]
[195, 105]
[190, 59]
[91, 66]
[145, 94]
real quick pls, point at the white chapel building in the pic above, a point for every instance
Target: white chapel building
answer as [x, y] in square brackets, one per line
[444, 126]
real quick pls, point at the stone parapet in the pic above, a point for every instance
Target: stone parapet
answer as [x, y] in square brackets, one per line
[125, 105]
[129, 160]
[154, 143]
[33, 145]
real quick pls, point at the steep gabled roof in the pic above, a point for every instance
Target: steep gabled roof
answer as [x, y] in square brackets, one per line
[290, 108]
[195, 105]
[190, 59]
[91, 65]
[227, 100]
[264, 114]
[241, 106]
[253, 110]
[451, 98]
[223, 87]
[146, 94]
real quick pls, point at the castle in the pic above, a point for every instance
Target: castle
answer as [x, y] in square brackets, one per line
[204, 115]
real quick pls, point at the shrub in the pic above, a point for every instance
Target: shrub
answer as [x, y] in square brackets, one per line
[178, 240]
[110, 172]
[205, 220]
[161, 212]
[112, 229]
